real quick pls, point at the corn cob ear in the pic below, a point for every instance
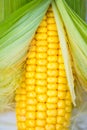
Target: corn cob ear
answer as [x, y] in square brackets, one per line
[43, 101]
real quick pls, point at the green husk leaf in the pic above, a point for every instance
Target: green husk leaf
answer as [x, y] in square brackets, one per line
[65, 50]
[16, 33]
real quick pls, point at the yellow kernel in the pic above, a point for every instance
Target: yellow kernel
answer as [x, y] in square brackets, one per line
[42, 29]
[60, 119]
[21, 104]
[62, 80]
[41, 69]
[41, 55]
[62, 87]
[40, 36]
[41, 115]
[66, 124]
[52, 33]
[61, 104]
[60, 59]
[30, 81]
[68, 102]
[31, 61]
[52, 65]
[61, 112]
[52, 112]
[43, 23]
[32, 48]
[51, 27]
[30, 123]
[41, 107]
[52, 93]
[60, 52]
[23, 97]
[31, 94]
[50, 20]
[21, 118]
[42, 43]
[21, 111]
[53, 39]
[53, 86]
[31, 101]
[52, 73]
[31, 115]
[21, 91]
[42, 97]
[61, 94]
[31, 128]
[40, 122]
[51, 105]
[31, 67]
[41, 75]
[67, 116]
[23, 85]
[52, 79]
[59, 126]
[31, 108]
[40, 89]
[30, 87]
[52, 58]
[61, 66]
[41, 49]
[41, 62]
[41, 82]
[50, 14]
[52, 51]
[68, 108]
[51, 120]
[39, 128]
[62, 73]
[52, 100]
[68, 96]
[50, 127]
[21, 125]
[30, 74]
[17, 98]
[31, 55]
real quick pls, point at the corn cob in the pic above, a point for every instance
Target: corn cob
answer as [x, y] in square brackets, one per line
[43, 101]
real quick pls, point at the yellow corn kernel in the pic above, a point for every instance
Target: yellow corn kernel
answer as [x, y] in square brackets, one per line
[21, 125]
[41, 115]
[41, 55]
[50, 20]
[53, 39]
[61, 94]
[41, 36]
[52, 65]
[52, 112]
[50, 14]
[52, 58]
[61, 66]
[59, 126]
[51, 106]
[51, 27]
[31, 61]
[52, 79]
[60, 119]
[67, 116]
[61, 104]
[68, 102]
[52, 93]
[30, 81]
[61, 112]
[42, 97]
[41, 82]
[31, 55]
[68, 108]
[21, 104]
[30, 74]
[31, 101]
[52, 33]
[31, 94]
[31, 68]
[41, 62]
[62, 87]
[41, 107]
[43, 24]
[50, 127]
[51, 120]
[42, 29]
[62, 73]
[52, 100]
[21, 118]
[40, 122]
[62, 80]
[52, 73]
[31, 115]
[21, 111]
[30, 123]
[53, 86]
[31, 108]
[52, 52]
[30, 88]
[41, 49]
[41, 69]
[68, 96]
[39, 128]
[31, 128]
[40, 75]
[40, 89]
[60, 60]
[42, 43]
